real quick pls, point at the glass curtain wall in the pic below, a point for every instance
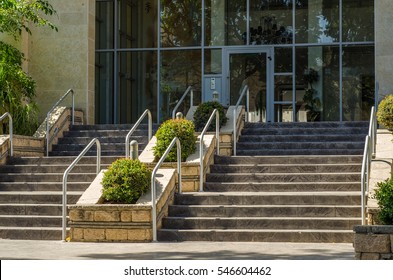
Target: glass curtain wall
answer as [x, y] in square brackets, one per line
[149, 51]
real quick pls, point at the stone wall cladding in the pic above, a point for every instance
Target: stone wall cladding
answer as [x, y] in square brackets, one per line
[373, 242]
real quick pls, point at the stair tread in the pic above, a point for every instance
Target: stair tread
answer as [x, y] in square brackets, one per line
[267, 218]
[259, 230]
[297, 193]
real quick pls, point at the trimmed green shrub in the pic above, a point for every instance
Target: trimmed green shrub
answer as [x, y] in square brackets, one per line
[203, 113]
[181, 128]
[385, 112]
[125, 181]
[384, 196]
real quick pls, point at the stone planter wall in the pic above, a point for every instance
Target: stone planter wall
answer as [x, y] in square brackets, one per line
[373, 242]
[92, 221]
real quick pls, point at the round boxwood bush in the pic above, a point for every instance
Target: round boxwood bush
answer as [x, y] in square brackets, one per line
[125, 181]
[203, 113]
[181, 128]
[385, 112]
[384, 196]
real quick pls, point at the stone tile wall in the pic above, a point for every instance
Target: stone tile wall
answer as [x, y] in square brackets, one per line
[373, 242]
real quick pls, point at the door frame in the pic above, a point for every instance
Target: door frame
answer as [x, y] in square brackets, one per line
[269, 51]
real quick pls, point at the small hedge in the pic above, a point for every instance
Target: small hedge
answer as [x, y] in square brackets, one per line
[181, 128]
[384, 196]
[385, 112]
[203, 113]
[125, 181]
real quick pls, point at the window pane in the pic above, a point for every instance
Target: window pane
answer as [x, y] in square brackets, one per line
[104, 25]
[270, 22]
[104, 88]
[213, 61]
[317, 21]
[236, 22]
[283, 88]
[283, 60]
[317, 83]
[179, 69]
[137, 85]
[137, 24]
[215, 19]
[358, 20]
[181, 23]
[358, 82]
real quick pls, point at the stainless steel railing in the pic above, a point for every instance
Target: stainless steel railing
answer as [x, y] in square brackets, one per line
[70, 91]
[150, 129]
[215, 114]
[188, 90]
[245, 92]
[153, 181]
[65, 177]
[10, 123]
[368, 155]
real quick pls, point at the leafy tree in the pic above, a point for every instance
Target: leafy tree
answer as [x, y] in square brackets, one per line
[17, 89]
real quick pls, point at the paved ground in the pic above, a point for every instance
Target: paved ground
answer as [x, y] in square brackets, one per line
[57, 250]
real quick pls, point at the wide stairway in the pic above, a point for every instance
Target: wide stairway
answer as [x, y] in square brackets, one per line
[289, 183]
[31, 187]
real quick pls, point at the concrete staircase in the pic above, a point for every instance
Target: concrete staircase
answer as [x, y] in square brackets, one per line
[283, 198]
[31, 188]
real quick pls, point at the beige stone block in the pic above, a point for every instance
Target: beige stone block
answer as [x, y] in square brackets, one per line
[116, 234]
[188, 187]
[370, 256]
[126, 216]
[372, 243]
[137, 235]
[77, 234]
[76, 215]
[92, 234]
[107, 216]
[141, 216]
[189, 170]
[391, 243]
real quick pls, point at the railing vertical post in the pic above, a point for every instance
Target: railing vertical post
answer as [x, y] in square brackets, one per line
[192, 98]
[73, 107]
[134, 151]
[248, 104]
[234, 130]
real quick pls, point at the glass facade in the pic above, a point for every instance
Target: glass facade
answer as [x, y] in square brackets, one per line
[304, 60]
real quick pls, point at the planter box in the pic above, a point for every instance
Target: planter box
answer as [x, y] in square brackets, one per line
[373, 242]
[92, 221]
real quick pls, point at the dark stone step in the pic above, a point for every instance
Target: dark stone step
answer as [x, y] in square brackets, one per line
[38, 197]
[361, 124]
[30, 233]
[104, 153]
[299, 145]
[31, 209]
[79, 168]
[30, 221]
[305, 131]
[103, 140]
[43, 177]
[103, 133]
[142, 127]
[58, 160]
[301, 152]
[41, 186]
[301, 138]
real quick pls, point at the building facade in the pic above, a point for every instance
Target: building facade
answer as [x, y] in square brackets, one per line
[303, 60]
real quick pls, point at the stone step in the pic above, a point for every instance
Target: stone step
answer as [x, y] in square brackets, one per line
[301, 138]
[31, 209]
[231, 235]
[31, 233]
[305, 131]
[280, 187]
[335, 159]
[102, 133]
[288, 168]
[283, 177]
[38, 197]
[103, 140]
[42, 186]
[361, 124]
[269, 198]
[58, 160]
[283, 152]
[263, 146]
[104, 147]
[54, 168]
[30, 221]
[44, 177]
[265, 211]
[142, 127]
[260, 223]
[105, 153]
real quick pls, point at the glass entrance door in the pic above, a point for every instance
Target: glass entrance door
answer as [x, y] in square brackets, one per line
[252, 67]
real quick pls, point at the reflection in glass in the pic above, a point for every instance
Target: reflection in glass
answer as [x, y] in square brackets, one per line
[283, 113]
[283, 88]
[270, 22]
[179, 69]
[181, 22]
[213, 61]
[236, 22]
[283, 60]
[358, 82]
[317, 21]
[358, 20]
[318, 83]
[137, 85]
[104, 25]
[104, 88]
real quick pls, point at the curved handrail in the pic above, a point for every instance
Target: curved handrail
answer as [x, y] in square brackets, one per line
[153, 181]
[216, 114]
[150, 128]
[53, 108]
[10, 123]
[188, 90]
[65, 176]
[245, 91]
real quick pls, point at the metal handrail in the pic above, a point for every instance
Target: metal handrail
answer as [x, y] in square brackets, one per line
[68, 170]
[216, 114]
[188, 90]
[150, 128]
[53, 108]
[372, 131]
[245, 91]
[153, 181]
[10, 123]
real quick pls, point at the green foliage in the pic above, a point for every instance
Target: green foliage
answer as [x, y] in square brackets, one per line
[125, 181]
[384, 196]
[181, 128]
[385, 112]
[17, 91]
[203, 113]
